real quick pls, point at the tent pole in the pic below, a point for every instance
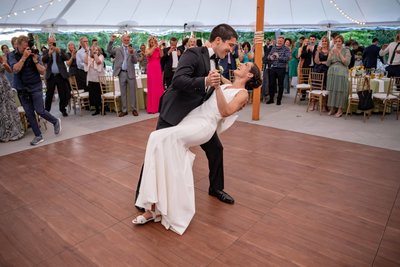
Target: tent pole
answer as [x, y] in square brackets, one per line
[258, 43]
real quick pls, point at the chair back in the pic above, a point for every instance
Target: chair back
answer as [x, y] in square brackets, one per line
[107, 84]
[304, 75]
[74, 85]
[231, 75]
[317, 81]
[358, 83]
[394, 86]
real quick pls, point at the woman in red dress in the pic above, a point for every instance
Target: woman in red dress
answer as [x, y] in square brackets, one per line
[155, 86]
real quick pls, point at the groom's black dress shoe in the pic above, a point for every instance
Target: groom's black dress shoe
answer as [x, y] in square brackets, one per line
[221, 195]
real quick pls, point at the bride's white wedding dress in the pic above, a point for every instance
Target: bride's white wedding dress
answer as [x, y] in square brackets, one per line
[167, 179]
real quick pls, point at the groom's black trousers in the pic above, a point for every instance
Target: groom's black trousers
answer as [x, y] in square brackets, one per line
[214, 153]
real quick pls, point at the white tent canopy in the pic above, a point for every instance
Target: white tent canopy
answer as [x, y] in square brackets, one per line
[163, 16]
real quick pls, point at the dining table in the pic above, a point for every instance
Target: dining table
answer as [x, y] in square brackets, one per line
[141, 87]
[377, 85]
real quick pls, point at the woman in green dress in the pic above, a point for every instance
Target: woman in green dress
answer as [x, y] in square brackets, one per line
[338, 75]
[293, 64]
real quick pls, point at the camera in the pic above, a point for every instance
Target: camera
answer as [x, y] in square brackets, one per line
[31, 44]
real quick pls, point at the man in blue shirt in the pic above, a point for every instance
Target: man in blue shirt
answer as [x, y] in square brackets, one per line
[28, 68]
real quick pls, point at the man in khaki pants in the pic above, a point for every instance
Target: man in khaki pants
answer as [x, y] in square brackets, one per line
[124, 68]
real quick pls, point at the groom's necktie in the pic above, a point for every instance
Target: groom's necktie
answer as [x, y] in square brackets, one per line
[211, 89]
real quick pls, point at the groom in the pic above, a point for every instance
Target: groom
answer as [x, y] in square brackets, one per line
[191, 85]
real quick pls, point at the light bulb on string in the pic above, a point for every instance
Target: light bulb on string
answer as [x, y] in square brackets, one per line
[344, 14]
[29, 9]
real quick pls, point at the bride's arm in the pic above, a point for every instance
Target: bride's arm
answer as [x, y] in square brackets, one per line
[238, 102]
[225, 80]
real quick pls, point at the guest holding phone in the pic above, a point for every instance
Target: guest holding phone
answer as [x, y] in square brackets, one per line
[155, 87]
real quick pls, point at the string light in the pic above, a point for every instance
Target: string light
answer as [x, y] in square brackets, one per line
[344, 14]
[29, 9]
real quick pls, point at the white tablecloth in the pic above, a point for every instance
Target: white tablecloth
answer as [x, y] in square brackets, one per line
[140, 97]
[381, 84]
[138, 82]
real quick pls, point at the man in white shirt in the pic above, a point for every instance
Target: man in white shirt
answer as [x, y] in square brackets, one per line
[80, 56]
[394, 56]
[170, 60]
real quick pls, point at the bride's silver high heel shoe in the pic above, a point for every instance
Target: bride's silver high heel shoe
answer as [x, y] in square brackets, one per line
[142, 220]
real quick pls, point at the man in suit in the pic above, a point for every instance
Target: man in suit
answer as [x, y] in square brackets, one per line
[124, 68]
[56, 75]
[308, 52]
[229, 62]
[183, 46]
[192, 84]
[371, 54]
[170, 59]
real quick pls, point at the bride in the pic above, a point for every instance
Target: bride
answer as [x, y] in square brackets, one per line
[167, 188]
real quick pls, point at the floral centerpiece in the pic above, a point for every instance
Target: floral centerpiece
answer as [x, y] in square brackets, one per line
[358, 71]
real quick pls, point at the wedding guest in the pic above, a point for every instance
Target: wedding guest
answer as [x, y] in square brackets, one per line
[56, 76]
[228, 63]
[320, 64]
[245, 53]
[155, 87]
[338, 77]
[142, 59]
[10, 123]
[71, 62]
[192, 42]
[287, 79]
[94, 67]
[279, 57]
[393, 49]
[293, 65]
[371, 55]
[308, 52]
[8, 72]
[81, 74]
[28, 67]
[124, 68]
[321, 57]
[170, 57]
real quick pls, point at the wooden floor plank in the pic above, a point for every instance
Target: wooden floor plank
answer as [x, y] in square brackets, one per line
[300, 200]
[389, 251]
[72, 217]
[348, 194]
[26, 237]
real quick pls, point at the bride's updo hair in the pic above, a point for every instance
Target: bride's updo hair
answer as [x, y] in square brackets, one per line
[255, 81]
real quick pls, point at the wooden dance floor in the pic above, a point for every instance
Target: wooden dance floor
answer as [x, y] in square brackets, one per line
[301, 200]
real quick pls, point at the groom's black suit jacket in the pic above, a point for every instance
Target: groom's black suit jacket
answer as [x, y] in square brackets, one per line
[187, 90]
